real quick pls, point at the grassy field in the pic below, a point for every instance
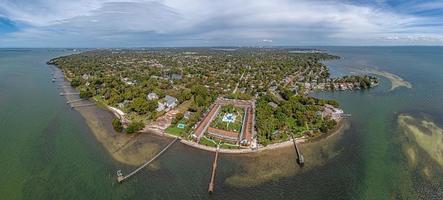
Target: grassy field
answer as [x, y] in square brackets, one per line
[210, 142]
[207, 142]
[174, 131]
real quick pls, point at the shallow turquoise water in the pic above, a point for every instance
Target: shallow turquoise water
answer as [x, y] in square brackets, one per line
[48, 152]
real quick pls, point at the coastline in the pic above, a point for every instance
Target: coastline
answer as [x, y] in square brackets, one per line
[136, 148]
[132, 149]
[342, 125]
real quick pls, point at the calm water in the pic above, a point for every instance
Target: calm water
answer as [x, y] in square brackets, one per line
[48, 152]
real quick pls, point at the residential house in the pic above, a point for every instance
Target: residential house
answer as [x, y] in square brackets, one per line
[331, 111]
[187, 115]
[152, 96]
[167, 103]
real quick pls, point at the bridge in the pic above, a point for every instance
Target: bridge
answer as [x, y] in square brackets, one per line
[121, 178]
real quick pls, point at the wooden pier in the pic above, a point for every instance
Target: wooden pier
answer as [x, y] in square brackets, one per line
[64, 86]
[300, 158]
[121, 178]
[214, 168]
[57, 80]
[76, 100]
[69, 93]
[345, 115]
[83, 105]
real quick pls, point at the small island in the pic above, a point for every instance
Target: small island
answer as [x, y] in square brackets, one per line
[240, 99]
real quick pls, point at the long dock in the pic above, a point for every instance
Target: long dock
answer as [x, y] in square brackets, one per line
[121, 178]
[300, 158]
[214, 168]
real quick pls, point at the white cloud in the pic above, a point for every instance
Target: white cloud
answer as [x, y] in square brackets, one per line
[224, 22]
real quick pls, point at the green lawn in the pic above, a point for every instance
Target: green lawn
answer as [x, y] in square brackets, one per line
[174, 130]
[207, 142]
[224, 145]
[228, 146]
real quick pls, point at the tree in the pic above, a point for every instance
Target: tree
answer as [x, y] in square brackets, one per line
[85, 94]
[184, 95]
[75, 82]
[117, 125]
[199, 100]
[201, 95]
[143, 106]
[177, 118]
[134, 127]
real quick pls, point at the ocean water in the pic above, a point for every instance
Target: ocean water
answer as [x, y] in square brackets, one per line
[48, 152]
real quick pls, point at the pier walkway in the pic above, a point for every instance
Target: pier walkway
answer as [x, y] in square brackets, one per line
[83, 105]
[300, 158]
[214, 168]
[76, 100]
[69, 93]
[121, 178]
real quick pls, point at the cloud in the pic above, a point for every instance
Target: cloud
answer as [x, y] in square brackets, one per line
[204, 22]
[432, 5]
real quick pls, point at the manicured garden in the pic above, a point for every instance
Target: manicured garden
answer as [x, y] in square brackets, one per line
[229, 118]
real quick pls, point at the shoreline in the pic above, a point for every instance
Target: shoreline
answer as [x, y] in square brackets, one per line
[341, 126]
[121, 146]
[132, 149]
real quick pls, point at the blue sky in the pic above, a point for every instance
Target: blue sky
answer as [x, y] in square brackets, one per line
[144, 23]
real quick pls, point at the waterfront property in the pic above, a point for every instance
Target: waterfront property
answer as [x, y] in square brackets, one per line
[229, 121]
[332, 112]
[167, 103]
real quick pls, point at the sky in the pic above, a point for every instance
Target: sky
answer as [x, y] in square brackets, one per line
[158, 23]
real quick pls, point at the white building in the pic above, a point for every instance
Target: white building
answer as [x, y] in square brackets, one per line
[167, 103]
[152, 96]
[331, 111]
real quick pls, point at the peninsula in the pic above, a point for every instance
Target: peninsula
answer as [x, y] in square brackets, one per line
[240, 99]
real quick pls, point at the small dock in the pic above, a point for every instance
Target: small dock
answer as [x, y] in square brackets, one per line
[214, 168]
[69, 93]
[300, 158]
[73, 101]
[121, 178]
[345, 115]
[83, 105]
[64, 86]
[57, 80]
